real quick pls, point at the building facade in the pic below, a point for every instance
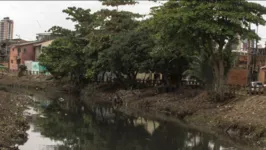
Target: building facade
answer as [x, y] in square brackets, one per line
[6, 29]
[38, 48]
[20, 53]
[25, 52]
[5, 50]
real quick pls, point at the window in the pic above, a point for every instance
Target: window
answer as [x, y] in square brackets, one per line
[13, 49]
[11, 61]
[25, 50]
[19, 50]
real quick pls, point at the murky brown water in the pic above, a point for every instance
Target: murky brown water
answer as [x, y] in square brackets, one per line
[102, 128]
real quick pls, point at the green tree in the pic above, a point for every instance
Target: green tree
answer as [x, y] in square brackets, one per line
[63, 57]
[169, 55]
[66, 55]
[118, 2]
[201, 69]
[128, 54]
[80, 52]
[110, 27]
[214, 26]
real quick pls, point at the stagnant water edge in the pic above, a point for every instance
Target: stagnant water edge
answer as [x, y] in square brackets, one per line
[102, 127]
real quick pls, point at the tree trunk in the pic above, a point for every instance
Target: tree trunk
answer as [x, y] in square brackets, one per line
[103, 75]
[165, 78]
[119, 77]
[219, 79]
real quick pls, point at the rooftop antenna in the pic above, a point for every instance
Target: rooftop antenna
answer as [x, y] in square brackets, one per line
[18, 36]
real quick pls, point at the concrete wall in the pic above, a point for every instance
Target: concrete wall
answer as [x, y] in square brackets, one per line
[149, 76]
[37, 52]
[142, 76]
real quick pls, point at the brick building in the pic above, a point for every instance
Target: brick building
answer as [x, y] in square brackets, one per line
[30, 51]
[20, 53]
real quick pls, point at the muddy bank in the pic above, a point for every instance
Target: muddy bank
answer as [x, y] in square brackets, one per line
[13, 125]
[37, 83]
[242, 118]
[14, 119]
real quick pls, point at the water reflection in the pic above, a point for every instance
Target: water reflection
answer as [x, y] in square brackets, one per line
[102, 128]
[44, 143]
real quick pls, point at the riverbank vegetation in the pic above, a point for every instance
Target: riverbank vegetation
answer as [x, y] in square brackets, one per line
[179, 38]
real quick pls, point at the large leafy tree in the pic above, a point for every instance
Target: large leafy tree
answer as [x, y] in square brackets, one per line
[128, 54]
[63, 57]
[169, 55]
[201, 69]
[218, 24]
[214, 26]
[83, 52]
[66, 54]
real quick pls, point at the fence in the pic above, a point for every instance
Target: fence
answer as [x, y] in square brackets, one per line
[191, 84]
[150, 83]
[153, 83]
[243, 90]
[37, 73]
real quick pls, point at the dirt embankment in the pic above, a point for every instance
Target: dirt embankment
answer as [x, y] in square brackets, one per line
[242, 118]
[36, 82]
[13, 102]
[13, 125]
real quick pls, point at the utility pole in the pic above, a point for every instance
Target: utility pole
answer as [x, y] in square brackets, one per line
[252, 54]
[255, 69]
[249, 62]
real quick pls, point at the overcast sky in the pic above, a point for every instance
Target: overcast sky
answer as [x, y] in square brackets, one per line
[31, 17]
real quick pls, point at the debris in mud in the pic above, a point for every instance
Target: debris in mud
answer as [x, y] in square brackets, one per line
[61, 99]
[13, 125]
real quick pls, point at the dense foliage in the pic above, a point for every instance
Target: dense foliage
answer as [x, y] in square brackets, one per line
[186, 37]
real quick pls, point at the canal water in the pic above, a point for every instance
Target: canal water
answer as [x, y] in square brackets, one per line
[102, 128]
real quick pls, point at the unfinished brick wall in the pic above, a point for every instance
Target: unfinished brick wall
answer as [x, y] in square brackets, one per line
[237, 77]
